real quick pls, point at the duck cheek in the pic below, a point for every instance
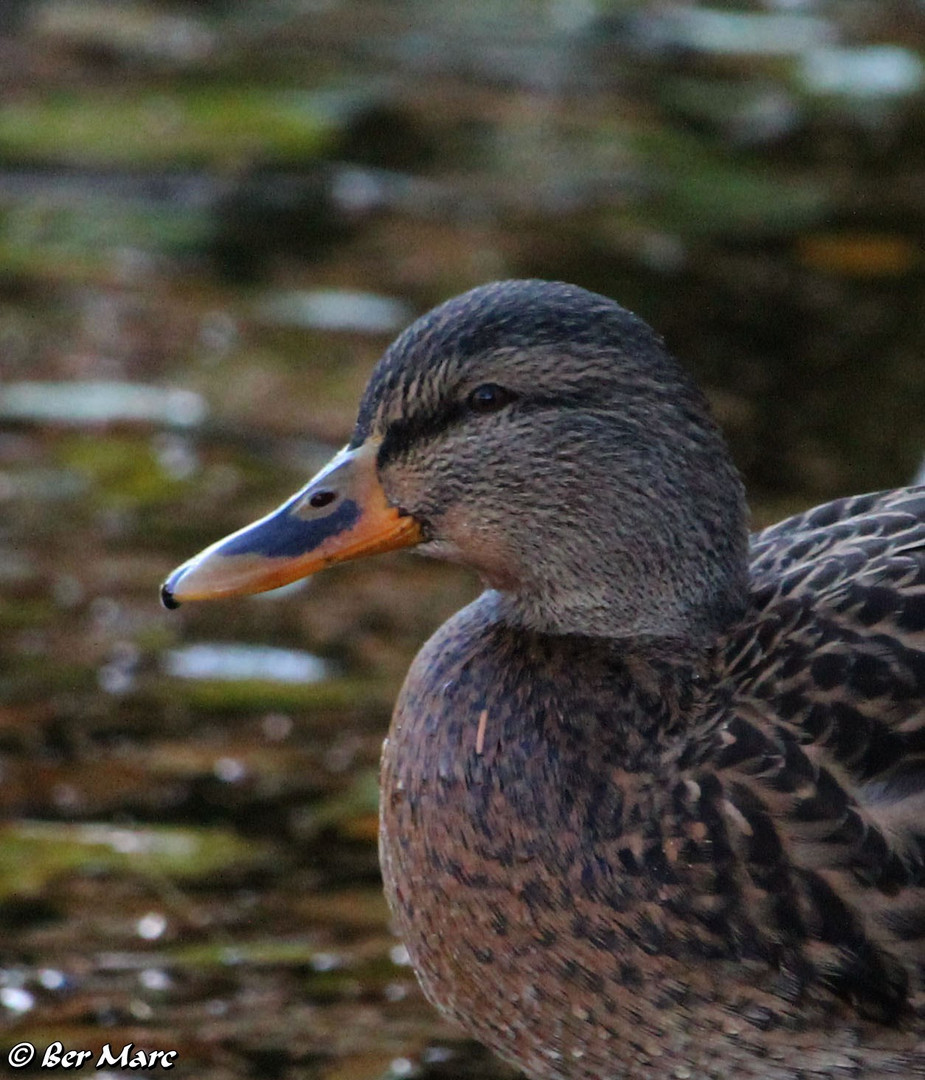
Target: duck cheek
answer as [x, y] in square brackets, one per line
[476, 543]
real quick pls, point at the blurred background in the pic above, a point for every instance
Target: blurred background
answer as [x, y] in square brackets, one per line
[214, 215]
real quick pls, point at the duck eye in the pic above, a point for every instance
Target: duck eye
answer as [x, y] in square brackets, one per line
[489, 397]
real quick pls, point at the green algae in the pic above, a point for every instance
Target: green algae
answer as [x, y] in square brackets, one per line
[197, 125]
[34, 853]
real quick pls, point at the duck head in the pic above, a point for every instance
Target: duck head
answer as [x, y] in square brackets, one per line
[543, 435]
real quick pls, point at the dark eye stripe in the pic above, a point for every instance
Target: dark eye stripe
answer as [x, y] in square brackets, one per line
[403, 434]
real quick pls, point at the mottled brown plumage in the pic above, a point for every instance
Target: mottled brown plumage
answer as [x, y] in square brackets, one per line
[653, 806]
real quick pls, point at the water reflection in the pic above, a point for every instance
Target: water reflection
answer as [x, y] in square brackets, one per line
[333, 309]
[872, 72]
[16, 999]
[231, 662]
[152, 926]
[100, 402]
[734, 33]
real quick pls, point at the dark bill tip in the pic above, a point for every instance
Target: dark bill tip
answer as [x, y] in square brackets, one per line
[167, 598]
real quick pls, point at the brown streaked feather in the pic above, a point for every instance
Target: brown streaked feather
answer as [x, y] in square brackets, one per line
[731, 845]
[840, 634]
[825, 754]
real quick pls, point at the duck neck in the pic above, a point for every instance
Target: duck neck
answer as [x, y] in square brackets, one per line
[631, 559]
[649, 602]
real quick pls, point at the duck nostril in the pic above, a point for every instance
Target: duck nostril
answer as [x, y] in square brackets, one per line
[321, 499]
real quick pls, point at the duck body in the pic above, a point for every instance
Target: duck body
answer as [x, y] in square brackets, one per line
[593, 896]
[653, 806]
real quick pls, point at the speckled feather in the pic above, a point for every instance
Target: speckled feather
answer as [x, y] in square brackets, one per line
[651, 853]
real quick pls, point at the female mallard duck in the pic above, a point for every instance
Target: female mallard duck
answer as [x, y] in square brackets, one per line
[654, 804]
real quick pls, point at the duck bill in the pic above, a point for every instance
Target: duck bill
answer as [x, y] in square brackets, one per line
[342, 514]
